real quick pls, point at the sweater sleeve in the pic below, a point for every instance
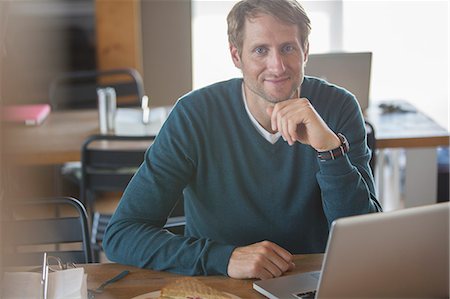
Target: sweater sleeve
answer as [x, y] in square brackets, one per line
[347, 183]
[135, 235]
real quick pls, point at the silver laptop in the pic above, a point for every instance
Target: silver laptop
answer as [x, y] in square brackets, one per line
[348, 70]
[399, 254]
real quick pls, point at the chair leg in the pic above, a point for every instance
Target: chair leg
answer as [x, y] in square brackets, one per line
[90, 205]
[99, 224]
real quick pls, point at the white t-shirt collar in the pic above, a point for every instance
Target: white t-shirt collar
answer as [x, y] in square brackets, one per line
[272, 138]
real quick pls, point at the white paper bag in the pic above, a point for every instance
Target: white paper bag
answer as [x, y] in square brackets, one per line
[64, 284]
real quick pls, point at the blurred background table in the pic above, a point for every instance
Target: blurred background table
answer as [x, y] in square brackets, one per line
[407, 139]
[56, 141]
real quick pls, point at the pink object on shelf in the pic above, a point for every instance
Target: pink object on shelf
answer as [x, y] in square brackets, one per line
[33, 114]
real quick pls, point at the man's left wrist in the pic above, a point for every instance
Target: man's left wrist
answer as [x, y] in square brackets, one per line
[337, 152]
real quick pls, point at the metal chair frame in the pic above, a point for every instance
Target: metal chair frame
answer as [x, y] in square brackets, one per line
[104, 169]
[38, 232]
[371, 143]
[78, 90]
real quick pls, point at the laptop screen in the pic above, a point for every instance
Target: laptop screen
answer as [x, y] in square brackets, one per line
[398, 254]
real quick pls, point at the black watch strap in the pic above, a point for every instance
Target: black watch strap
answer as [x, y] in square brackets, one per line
[337, 152]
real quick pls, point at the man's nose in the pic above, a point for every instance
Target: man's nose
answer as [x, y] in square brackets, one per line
[275, 63]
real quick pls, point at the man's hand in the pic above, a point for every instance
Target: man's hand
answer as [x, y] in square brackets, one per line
[260, 260]
[297, 120]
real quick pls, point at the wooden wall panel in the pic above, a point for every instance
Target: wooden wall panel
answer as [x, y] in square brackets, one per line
[153, 36]
[119, 34]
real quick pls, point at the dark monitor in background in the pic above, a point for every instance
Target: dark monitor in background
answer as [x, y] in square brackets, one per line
[348, 70]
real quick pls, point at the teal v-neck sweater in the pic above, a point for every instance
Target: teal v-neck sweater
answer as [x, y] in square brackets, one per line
[238, 188]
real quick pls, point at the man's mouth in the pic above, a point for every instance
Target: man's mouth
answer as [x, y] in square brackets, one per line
[277, 80]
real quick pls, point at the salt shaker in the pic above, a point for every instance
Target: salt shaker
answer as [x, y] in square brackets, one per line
[110, 108]
[102, 107]
[106, 109]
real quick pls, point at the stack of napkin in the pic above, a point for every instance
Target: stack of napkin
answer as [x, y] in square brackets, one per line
[128, 121]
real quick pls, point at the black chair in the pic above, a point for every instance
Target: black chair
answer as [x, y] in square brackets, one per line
[58, 226]
[108, 164]
[78, 90]
[371, 143]
[443, 155]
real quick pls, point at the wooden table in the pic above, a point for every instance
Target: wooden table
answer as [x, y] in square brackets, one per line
[56, 141]
[141, 281]
[59, 138]
[406, 128]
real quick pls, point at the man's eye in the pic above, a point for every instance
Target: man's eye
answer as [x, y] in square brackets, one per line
[288, 49]
[260, 50]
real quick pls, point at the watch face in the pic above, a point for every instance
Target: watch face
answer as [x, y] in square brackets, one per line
[344, 142]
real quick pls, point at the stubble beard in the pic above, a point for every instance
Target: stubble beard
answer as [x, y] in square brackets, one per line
[267, 97]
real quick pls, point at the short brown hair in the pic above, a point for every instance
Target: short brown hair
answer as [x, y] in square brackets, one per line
[288, 11]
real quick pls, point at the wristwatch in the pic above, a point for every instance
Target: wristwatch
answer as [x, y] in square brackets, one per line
[337, 152]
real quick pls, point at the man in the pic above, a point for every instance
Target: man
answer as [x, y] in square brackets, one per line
[262, 162]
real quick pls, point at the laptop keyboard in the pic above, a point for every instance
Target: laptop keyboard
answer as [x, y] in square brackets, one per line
[306, 295]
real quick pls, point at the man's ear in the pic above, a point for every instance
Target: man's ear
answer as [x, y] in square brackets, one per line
[235, 56]
[306, 52]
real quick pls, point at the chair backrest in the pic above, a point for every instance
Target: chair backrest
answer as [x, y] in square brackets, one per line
[78, 90]
[108, 162]
[371, 143]
[58, 226]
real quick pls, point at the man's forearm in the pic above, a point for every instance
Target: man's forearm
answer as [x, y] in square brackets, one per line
[141, 244]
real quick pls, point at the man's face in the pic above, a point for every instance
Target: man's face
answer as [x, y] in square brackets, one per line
[272, 59]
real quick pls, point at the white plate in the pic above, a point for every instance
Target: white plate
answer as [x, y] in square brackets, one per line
[155, 294]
